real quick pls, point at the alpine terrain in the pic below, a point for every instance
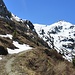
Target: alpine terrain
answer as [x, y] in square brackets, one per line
[34, 49]
[62, 34]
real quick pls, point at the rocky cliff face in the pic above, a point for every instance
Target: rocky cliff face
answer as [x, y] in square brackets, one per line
[3, 10]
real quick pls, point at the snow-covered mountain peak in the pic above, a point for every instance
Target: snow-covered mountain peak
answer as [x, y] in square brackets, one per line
[63, 24]
[64, 37]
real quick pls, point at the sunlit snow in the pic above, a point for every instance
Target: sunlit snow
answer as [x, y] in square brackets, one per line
[7, 35]
[21, 47]
[0, 58]
[66, 31]
[16, 18]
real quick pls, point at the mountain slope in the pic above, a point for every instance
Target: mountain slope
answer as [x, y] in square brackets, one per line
[41, 61]
[20, 32]
[63, 34]
[4, 11]
[31, 51]
[15, 30]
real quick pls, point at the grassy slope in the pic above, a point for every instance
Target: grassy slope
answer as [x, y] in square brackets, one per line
[39, 62]
[19, 32]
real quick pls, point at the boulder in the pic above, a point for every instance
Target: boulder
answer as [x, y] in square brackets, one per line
[3, 51]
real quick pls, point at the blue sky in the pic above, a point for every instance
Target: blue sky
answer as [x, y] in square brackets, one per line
[43, 11]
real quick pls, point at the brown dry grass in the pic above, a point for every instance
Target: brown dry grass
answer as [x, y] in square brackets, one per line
[37, 62]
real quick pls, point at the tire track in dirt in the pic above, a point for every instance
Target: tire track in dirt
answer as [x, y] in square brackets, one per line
[8, 66]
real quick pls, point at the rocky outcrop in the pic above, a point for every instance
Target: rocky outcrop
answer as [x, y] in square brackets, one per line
[3, 10]
[3, 51]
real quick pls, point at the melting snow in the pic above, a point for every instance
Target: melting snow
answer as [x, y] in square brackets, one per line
[0, 58]
[16, 18]
[21, 47]
[7, 35]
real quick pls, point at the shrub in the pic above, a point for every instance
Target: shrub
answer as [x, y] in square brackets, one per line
[73, 62]
[14, 34]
